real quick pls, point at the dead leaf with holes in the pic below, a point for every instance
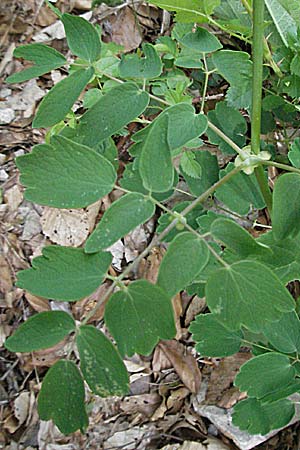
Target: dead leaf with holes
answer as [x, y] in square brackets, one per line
[221, 380]
[46, 357]
[69, 227]
[184, 364]
[144, 404]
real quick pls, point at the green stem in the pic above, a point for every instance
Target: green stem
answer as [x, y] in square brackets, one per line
[257, 57]
[281, 166]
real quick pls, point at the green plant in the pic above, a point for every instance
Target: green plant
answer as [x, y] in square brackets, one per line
[244, 278]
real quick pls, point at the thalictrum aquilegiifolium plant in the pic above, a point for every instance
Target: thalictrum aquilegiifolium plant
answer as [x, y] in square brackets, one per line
[244, 279]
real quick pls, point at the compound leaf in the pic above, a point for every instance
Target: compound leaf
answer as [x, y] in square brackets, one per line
[139, 316]
[265, 374]
[82, 36]
[220, 117]
[113, 111]
[100, 363]
[65, 174]
[62, 397]
[257, 418]
[237, 238]
[286, 212]
[284, 334]
[44, 58]
[213, 338]
[64, 273]
[201, 41]
[155, 166]
[131, 66]
[123, 216]
[243, 294]
[186, 256]
[60, 99]
[41, 331]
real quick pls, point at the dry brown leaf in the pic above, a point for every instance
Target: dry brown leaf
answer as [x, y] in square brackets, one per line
[69, 227]
[83, 5]
[223, 375]
[13, 197]
[177, 307]
[160, 360]
[148, 267]
[124, 29]
[39, 304]
[176, 399]
[83, 307]
[196, 306]
[136, 241]
[46, 357]
[6, 282]
[144, 404]
[184, 364]
[209, 444]
[22, 406]
[92, 212]
[45, 17]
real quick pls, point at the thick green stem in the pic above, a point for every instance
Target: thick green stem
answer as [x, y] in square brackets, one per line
[257, 57]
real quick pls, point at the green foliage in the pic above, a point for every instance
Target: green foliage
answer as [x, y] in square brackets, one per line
[236, 68]
[83, 160]
[83, 39]
[285, 336]
[60, 99]
[237, 239]
[213, 338]
[123, 216]
[89, 177]
[186, 256]
[44, 58]
[240, 192]
[62, 397]
[221, 116]
[41, 331]
[139, 316]
[149, 67]
[201, 41]
[265, 374]
[259, 418]
[283, 21]
[155, 166]
[286, 213]
[114, 110]
[189, 10]
[249, 287]
[64, 273]
[100, 363]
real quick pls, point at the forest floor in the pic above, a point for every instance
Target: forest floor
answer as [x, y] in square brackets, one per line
[177, 400]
